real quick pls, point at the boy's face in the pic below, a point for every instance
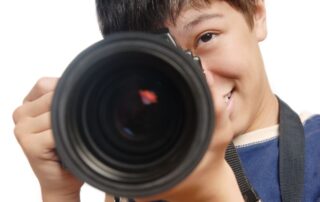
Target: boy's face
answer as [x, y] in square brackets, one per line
[230, 56]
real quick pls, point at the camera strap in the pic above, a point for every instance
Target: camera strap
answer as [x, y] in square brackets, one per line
[247, 191]
[291, 159]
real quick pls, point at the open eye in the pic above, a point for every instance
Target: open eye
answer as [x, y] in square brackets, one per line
[205, 38]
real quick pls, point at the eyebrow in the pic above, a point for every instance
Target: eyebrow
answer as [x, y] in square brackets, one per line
[200, 19]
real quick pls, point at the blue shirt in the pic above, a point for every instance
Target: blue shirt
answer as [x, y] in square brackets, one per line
[260, 160]
[259, 155]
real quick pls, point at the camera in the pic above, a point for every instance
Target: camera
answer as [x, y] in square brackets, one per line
[132, 115]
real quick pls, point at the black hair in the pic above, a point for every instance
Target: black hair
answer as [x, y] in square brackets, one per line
[150, 15]
[130, 15]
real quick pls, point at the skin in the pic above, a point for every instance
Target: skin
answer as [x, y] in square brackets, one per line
[232, 61]
[33, 132]
[230, 55]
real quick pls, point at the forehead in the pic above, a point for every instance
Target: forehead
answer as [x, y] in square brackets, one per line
[189, 15]
[176, 7]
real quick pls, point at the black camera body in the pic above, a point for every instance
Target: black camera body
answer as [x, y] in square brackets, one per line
[132, 115]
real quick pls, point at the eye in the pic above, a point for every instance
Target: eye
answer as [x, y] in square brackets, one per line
[205, 38]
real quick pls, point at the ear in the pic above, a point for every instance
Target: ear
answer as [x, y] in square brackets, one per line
[259, 23]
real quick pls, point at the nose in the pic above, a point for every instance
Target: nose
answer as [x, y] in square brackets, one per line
[208, 74]
[209, 77]
[201, 62]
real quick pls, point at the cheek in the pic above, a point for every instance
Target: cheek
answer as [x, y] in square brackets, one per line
[224, 65]
[236, 59]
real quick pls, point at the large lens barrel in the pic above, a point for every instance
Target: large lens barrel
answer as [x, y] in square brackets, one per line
[132, 115]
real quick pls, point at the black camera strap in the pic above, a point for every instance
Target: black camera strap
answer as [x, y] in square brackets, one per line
[292, 150]
[247, 191]
[291, 160]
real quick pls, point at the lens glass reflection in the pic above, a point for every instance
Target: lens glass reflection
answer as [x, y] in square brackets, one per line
[140, 107]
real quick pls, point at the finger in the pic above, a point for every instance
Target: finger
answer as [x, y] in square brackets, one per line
[43, 86]
[108, 198]
[33, 108]
[40, 145]
[32, 125]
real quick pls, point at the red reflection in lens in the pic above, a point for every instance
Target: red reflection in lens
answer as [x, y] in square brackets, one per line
[148, 97]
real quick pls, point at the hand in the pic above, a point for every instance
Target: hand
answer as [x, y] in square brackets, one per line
[34, 134]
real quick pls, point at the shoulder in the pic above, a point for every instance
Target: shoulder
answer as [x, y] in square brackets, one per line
[312, 135]
[312, 126]
[312, 158]
[312, 121]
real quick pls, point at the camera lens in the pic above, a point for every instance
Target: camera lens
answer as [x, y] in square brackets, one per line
[132, 115]
[134, 112]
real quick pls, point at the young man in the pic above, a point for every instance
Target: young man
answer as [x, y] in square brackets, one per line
[225, 35]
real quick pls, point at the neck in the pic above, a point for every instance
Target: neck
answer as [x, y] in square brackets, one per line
[268, 113]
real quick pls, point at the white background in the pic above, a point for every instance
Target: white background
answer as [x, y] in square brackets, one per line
[40, 37]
